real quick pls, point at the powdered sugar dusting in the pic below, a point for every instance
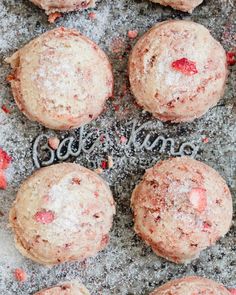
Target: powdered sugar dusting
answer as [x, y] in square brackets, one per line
[67, 215]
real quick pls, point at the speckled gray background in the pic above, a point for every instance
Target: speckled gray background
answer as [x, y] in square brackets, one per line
[127, 266]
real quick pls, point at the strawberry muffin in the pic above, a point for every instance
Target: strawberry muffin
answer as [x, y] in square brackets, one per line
[191, 286]
[67, 288]
[61, 79]
[181, 207]
[177, 71]
[183, 5]
[51, 6]
[62, 213]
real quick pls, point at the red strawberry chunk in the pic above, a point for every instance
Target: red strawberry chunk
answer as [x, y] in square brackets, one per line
[198, 199]
[3, 181]
[104, 164]
[185, 66]
[5, 160]
[92, 15]
[231, 58]
[5, 109]
[206, 226]
[105, 240]
[20, 275]
[76, 181]
[232, 291]
[44, 217]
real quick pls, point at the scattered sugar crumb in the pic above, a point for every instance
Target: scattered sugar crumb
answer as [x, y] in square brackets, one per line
[92, 15]
[20, 275]
[53, 142]
[132, 34]
[205, 140]
[123, 139]
[54, 16]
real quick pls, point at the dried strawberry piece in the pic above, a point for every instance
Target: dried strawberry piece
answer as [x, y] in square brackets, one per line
[105, 240]
[132, 34]
[3, 181]
[76, 181]
[205, 140]
[123, 139]
[198, 199]
[232, 291]
[185, 66]
[206, 226]
[104, 164]
[53, 17]
[116, 107]
[5, 159]
[44, 217]
[54, 143]
[20, 275]
[231, 58]
[92, 15]
[5, 109]
[96, 194]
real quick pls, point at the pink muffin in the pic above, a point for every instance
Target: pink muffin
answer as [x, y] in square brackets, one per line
[62, 213]
[61, 79]
[191, 286]
[184, 5]
[51, 6]
[177, 71]
[67, 288]
[181, 207]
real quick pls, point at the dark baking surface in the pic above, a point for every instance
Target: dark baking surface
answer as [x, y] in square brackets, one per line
[127, 266]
